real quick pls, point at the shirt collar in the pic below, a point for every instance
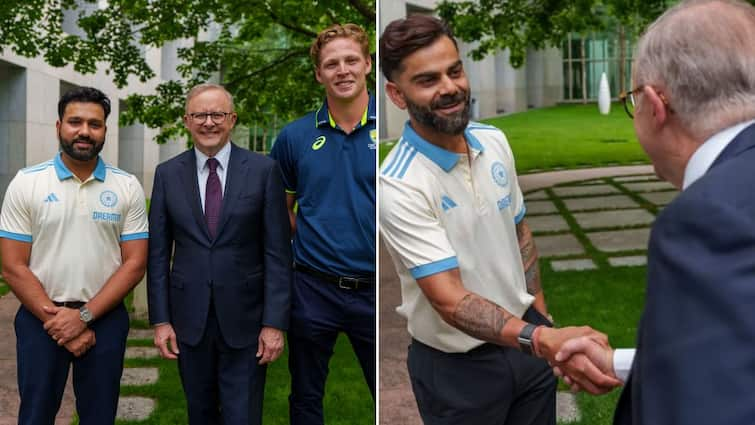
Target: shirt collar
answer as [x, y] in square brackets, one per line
[223, 156]
[64, 173]
[323, 117]
[707, 153]
[444, 158]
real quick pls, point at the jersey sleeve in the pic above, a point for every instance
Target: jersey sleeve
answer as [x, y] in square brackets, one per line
[517, 198]
[15, 218]
[282, 152]
[136, 225]
[410, 228]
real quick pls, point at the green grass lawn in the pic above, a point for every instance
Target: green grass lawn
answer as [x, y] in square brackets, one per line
[566, 136]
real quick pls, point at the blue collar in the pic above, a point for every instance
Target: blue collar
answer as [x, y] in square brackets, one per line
[322, 116]
[444, 158]
[64, 173]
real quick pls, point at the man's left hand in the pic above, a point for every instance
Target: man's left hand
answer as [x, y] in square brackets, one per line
[270, 345]
[65, 325]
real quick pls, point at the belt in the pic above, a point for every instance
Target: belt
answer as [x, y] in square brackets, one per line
[343, 282]
[70, 304]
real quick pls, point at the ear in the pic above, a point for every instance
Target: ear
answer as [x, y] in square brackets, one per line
[186, 119]
[394, 92]
[369, 65]
[317, 74]
[657, 105]
[57, 126]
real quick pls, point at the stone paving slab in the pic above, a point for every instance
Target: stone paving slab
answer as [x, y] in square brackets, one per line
[661, 198]
[630, 261]
[619, 240]
[551, 246]
[577, 264]
[134, 408]
[600, 203]
[620, 218]
[540, 207]
[567, 409]
[141, 352]
[547, 223]
[641, 178]
[649, 186]
[536, 196]
[139, 376]
[591, 182]
[597, 189]
[141, 334]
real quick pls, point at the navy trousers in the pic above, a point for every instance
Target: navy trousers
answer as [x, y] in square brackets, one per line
[319, 311]
[43, 370]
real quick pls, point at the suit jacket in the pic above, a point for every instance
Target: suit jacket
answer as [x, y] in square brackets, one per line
[695, 360]
[245, 270]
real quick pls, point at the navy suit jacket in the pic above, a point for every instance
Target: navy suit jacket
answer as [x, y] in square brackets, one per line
[695, 359]
[246, 269]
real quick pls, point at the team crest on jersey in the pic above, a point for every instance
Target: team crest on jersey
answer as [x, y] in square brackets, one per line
[108, 198]
[499, 174]
[373, 135]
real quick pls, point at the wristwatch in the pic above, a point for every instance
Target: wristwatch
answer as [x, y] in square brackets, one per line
[85, 315]
[525, 338]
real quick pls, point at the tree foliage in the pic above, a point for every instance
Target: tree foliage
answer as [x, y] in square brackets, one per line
[260, 48]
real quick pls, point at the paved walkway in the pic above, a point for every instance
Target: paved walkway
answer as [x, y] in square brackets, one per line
[632, 191]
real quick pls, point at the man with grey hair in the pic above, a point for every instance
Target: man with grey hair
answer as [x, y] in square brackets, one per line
[694, 113]
[219, 269]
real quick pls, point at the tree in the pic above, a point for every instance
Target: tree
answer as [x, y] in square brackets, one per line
[261, 52]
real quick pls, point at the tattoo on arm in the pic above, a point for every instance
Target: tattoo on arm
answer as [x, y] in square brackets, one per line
[481, 318]
[529, 258]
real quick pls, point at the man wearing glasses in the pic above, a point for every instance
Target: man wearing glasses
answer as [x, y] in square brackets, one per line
[219, 270]
[694, 113]
[328, 161]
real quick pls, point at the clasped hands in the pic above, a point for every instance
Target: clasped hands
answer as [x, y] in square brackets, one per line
[65, 327]
[581, 356]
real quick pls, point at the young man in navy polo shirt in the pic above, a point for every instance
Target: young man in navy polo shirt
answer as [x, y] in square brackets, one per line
[328, 162]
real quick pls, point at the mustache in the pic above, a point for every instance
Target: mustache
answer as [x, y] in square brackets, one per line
[83, 139]
[449, 100]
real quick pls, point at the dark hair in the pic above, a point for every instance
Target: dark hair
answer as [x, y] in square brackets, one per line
[403, 37]
[83, 95]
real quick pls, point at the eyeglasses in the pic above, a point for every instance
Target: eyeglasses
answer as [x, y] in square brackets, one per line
[629, 99]
[216, 117]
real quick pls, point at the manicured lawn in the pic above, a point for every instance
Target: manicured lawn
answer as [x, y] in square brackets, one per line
[566, 136]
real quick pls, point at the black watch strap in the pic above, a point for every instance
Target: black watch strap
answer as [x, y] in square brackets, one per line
[525, 338]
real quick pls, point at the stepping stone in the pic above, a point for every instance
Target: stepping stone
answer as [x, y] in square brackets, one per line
[578, 264]
[661, 198]
[620, 218]
[132, 408]
[649, 186]
[141, 352]
[534, 196]
[619, 240]
[555, 245]
[141, 334]
[589, 182]
[599, 203]
[596, 189]
[567, 409]
[642, 178]
[139, 375]
[631, 261]
[540, 207]
[547, 223]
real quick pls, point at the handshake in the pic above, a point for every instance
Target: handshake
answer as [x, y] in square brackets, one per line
[580, 355]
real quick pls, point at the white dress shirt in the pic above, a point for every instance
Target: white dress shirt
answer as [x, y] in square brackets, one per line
[203, 171]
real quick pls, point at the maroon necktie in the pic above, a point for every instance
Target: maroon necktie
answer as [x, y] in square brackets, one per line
[213, 198]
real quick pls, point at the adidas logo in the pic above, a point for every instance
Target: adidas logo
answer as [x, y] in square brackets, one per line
[52, 198]
[447, 203]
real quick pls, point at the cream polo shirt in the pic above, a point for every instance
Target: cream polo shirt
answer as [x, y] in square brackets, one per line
[438, 212]
[75, 228]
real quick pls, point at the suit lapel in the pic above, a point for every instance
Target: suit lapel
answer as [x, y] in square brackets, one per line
[191, 190]
[745, 140]
[235, 176]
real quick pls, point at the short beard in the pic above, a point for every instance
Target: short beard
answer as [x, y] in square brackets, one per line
[67, 147]
[452, 125]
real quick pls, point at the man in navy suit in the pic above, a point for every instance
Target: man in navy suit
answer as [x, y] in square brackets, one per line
[694, 114]
[221, 306]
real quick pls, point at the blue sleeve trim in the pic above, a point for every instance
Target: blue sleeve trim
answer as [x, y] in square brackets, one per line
[434, 267]
[15, 236]
[519, 217]
[134, 236]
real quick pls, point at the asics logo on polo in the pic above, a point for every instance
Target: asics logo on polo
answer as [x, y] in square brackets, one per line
[52, 198]
[319, 142]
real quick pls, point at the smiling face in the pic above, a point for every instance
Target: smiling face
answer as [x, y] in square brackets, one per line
[81, 130]
[343, 69]
[433, 87]
[208, 136]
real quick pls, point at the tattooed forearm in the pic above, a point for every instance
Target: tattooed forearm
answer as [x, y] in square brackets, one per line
[481, 318]
[529, 258]
[532, 277]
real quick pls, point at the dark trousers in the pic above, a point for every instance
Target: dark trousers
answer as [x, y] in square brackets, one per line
[489, 385]
[223, 385]
[319, 311]
[43, 370]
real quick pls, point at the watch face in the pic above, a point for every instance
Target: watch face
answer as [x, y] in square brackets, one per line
[85, 314]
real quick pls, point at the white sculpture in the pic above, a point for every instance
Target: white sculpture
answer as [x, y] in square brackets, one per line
[604, 95]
